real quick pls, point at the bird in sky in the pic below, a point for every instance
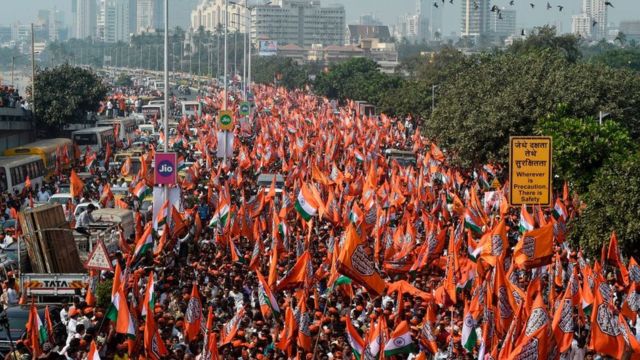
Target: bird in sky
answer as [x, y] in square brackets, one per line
[511, 2]
[560, 7]
[608, 3]
[593, 24]
[475, 5]
[450, 1]
[435, 4]
[549, 6]
[532, 5]
[494, 8]
[499, 15]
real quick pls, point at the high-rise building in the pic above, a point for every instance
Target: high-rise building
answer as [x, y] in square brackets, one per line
[85, 17]
[475, 18]
[117, 20]
[595, 11]
[299, 22]
[210, 15]
[631, 29]
[581, 25]
[369, 20]
[180, 12]
[149, 15]
[503, 24]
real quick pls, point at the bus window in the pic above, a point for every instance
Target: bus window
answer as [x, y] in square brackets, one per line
[3, 180]
[85, 139]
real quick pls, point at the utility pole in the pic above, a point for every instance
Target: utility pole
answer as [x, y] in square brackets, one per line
[33, 72]
[165, 122]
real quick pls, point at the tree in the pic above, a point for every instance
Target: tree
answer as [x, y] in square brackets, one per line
[65, 94]
[292, 75]
[356, 79]
[581, 147]
[494, 96]
[619, 58]
[546, 38]
[612, 203]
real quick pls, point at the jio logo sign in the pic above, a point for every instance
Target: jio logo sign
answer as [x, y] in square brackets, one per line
[165, 168]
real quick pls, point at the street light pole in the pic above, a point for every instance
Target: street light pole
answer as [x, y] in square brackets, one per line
[226, 24]
[33, 72]
[165, 122]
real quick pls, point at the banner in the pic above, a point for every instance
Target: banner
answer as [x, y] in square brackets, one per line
[268, 48]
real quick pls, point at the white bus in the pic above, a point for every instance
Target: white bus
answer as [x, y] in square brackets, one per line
[15, 169]
[126, 127]
[191, 108]
[153, 112]
[94, 138]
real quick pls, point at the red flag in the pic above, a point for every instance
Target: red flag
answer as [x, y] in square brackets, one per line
[76, 184]
[193, 316]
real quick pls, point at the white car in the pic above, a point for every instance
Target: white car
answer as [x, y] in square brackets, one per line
[60, 198]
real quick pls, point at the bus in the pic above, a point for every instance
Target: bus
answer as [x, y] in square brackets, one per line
[47, 149]
[191, 108]
[95, 138]
[126, 127]
[15, 169]
[152, 112]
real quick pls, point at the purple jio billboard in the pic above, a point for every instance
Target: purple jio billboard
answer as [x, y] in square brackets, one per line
[166, 168]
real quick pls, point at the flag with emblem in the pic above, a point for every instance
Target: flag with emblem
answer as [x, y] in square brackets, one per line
[400, 341]
[229, 330]
[193, 316]
[469, 335]
[355, 263]
[535, 247]
[153, 343]
[268, 302]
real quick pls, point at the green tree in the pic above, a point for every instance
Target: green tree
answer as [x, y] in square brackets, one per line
[356, 79]
[619, 58]
[612, 203]
[65, 94]
[581, 147]
[546, 38]
[292, 75]
[497, 95]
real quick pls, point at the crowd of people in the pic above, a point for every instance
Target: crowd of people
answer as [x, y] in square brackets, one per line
[356, 254]
[10, 97]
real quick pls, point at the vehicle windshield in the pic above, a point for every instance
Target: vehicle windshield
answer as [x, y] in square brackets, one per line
[85, 139]
[59, 200]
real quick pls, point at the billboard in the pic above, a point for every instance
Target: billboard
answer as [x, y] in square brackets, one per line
[268, 48]
[165, 168]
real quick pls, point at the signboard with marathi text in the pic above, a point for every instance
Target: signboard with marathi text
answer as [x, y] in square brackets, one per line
[530, 160]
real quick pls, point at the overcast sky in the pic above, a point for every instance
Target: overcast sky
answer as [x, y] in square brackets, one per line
[387, 10]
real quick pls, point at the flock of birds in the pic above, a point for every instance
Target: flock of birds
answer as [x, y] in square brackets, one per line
[497, 10]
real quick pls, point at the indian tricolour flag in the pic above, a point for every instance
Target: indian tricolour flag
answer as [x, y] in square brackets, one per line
[181, 163]
[143, 244]
[141, 190]
[42, 330]
[526, 221]
[161, 219]
[469, 335]
[359, 156]
[471, 223]
[306, 204]
[400, 341]
[93, 352]
[149, 301]
[355, 341]
[119, 314]
[221, 215]
[559, 210]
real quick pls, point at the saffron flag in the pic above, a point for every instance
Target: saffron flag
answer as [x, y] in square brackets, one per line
[93, 352]
[230, 329]
[356, 263]
[193, 316]
[76, 184]
[535, 248]
[153, 343]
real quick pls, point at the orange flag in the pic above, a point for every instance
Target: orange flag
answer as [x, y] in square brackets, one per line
[356, 263]
[153, 343]
[193, 316]
[535, 337]
[535, 248]
[125, 170]
[451, 276]
[231, 328]
[179, 226]
[563, 322]
[76, 184]
[606, 337]
[299, 274]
